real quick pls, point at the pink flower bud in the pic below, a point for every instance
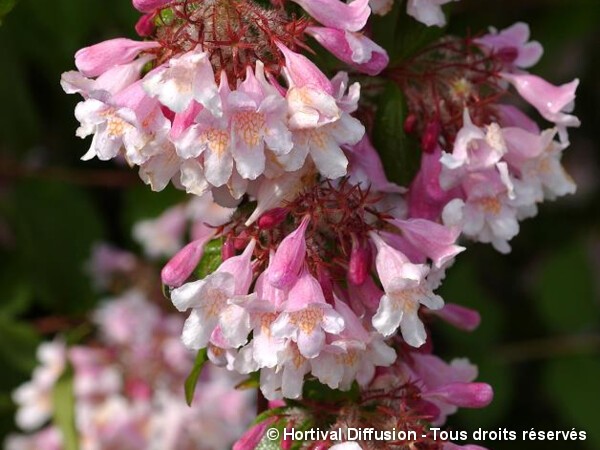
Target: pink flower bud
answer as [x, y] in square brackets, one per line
[429, 140]
[303, 72]
[320, 446]
[228, 249]
[360, 261]
[431, 239]
[463, 318]
[410, 123]
[354, 49]
[145, 25]
[551, 101]
[272, 218]
[97, 59]
[464, 395]
[326, 282]
[149, 5]
[335, 14]
[252, 437]
[289, 257]
[286, 442]
[181, 266]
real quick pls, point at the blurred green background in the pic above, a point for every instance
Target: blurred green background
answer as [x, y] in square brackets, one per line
[539, 343]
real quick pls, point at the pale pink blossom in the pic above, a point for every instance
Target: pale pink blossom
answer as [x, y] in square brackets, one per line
[461, 317]
[181, 266]
[437, 242]
[97, 59]
[366, 168]
[185, 78]
[149, 5]
[405, 290]
[350, 16]
[486, 214]
[306, 317]
[34, 398]
[355, 49]
[284, 269]
[554, 103]
[162, 236]
[208, 297]
[428, 12]
[512, 45]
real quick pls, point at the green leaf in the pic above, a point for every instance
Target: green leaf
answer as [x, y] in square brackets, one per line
[192, 379]
[63, 398]
[571, 384]
[399, 153]
[211, 259]
[565, 290]
[6, 6]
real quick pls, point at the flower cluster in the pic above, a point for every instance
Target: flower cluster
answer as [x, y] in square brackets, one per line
[398, 398]
[202, 102]
[305, 263]
[486, 165]
[128, 383]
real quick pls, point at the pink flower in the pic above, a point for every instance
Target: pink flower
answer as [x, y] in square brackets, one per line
[307, 316]
[106, 262]
[447, 380]
[285, 380]
[181, 266]
[185, 78]
[354, 49]
[461, 317]
[426, 198]
[145, 25]
[366, 168]
[336, 14]
[360, 261]
[97, 59]
[303, 72]
[129, 119]
[252, 437]
[109, 83]
[162, 236]
[464, 395]
[209, 297]
[34, 398]
[435, 241]
[512, 46]
[322, 124]
[552, 102]
[150, 5]
[352, 355]
[285, 267]
[428, 12]
[487, 214]
[405, 290]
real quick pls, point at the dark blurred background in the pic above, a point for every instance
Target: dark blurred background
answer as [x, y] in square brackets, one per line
[539, 342]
